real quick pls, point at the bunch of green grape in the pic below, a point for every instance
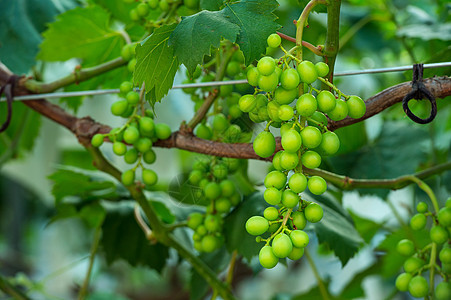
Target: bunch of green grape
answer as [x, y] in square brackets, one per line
[419, 260]
[305, 139]
[143, 8]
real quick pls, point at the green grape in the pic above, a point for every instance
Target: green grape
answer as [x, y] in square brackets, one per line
[267, 258]
[422, 207]
[220, 123]
[254, 117]
[197, 238]
[299, 220]
[313, 212]
[164, 5]
[195, 220]
[356, 107]
[282, 245]
[275, 179]
[191, 4]
[247, 103]
[288, 126]
[299, 238]
[285, 112]
[266, 65]
[116, 135]
[131, 135]
[223, 205]
[274, 40]
[272, 195]
[128, 112]
[320, 118]
[268, 83]
[445, 255]
[153, 4]
[307, 72]
[203, 131]
[405, 247]
[306, 105]
[162, 131]
[126, 87]
[225, 90]
[443, 291]
[438, 234]
[227, 188]
[235, 111]
[264, 144]
[203, 183]
[418, 222]
[235, 199]
[289, 79]
[149, 157]
[289, 160]
[143, 145]
[339, 112]
[330, 143]
[232, 164]
[257, 225]
[233, 68]
[296, 253]
[276, 161]
[149, 177]
[252, 76]
[213, 223]
[444, 216]
[131, 65]
[283, 96]
[212, 190]
[146, 126]
[273, 227]
[317, 185]
[311, 137]
[322, 69]
[290, 199]
[97, 140]
[189, 90]
[201, 230]
[291, 140]
[271, 213]
[402, 281]
[119, 148]
[142, 9]
[126, 51]
[297, 182]
[278, 71]
[209, 242]
[263, 113]
[326, 101]
[418, 287]
[311, 159]
[195, 176]
[119, 107]
[273, 111]
[238, 56]
[131, 156]
[220, 171]
[128, 177]
[413, 264]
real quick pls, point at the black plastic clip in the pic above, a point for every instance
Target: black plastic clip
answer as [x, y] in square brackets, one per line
[8, 89]
[419, 91]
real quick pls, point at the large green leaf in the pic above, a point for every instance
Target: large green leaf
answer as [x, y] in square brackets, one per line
[156, 64]
[195, 35]
[366, 228]
[82, 33]
[123, 239]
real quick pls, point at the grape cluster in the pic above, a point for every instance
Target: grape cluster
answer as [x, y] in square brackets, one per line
[305, 139]
[142, 10]
[416, 264]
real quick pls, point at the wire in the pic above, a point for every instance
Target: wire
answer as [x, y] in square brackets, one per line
[217, 83]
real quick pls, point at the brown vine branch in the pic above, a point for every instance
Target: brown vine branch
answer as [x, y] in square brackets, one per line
[318, 50]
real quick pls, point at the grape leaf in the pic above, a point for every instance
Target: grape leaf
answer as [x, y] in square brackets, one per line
[83, 33]
[256, 21]
[366, 228]
[195, 35]
[156, 64]
[211, 4]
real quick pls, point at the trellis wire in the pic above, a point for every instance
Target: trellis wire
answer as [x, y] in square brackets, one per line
[216, 83]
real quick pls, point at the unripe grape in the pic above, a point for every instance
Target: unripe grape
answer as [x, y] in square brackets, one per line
[119, 148]
[311, 159]
[201, 230]
[282, 245]
[209, 243]
[339, 112]
[142, 9]
[402, 281]
[191, 4]
[212, 190]
[330, 143]
[266, 65]
[307, 72]
[273, 111]
[322, 69]
[289, 160]
[413, 264]
[220, 171]
[264, 144]
[445, 255]
[267, 258]
[299, 220]
[232, 164]
[418, 287]
[313, 212]
[252, 76]
[268, 83]
[131, 156]
[235, 111]
[271, 213]
[276, 161]
[285, 112]
[290, 199]
[203, 131]
[212, 223]
[443, 291]
[146, 126]
[226, 89]
[306, 105]
[223, 205]
[233, 68]
[235, 199]
[291, 140]
[164, 5]
[97, 140]
[131, 65]
[195, 176]
[289, 79]
[131, 135]
[220, 123]
[149, 157]
[444, 216]
[126, 51]
[418, 222]
[149, 177]
[153, 4]
[356, 107]
[438, 234]
[320, 118]
[317, 185]
[257, 225]
[274, 40]
[283, 96]
[326, 101]
[119, 107]
[195, 220]
[128, 177]
[247, 103]
[227, 188]
[143, 145]
[311, 137]
[162, 131]
[296, 253]
[297, 182]
[125, 87]
[272, 195]
[275, 179]
[405, 247]
[422, 207]
[299, 238]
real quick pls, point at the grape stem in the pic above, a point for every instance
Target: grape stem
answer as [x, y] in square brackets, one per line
[318, 50]
[322, 288]
[95, 245]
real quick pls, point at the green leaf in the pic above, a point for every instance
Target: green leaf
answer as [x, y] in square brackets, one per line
[354, 288]
[163, 212]
[236, 236]
[93, 214]
[195, 35]
[426, 32]
[181, 190]
[70, 183]
[366, 228]
[82, 33]
[156, 64]
[256, 21]
[211, 4]
[123, 239]
[351, 137]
